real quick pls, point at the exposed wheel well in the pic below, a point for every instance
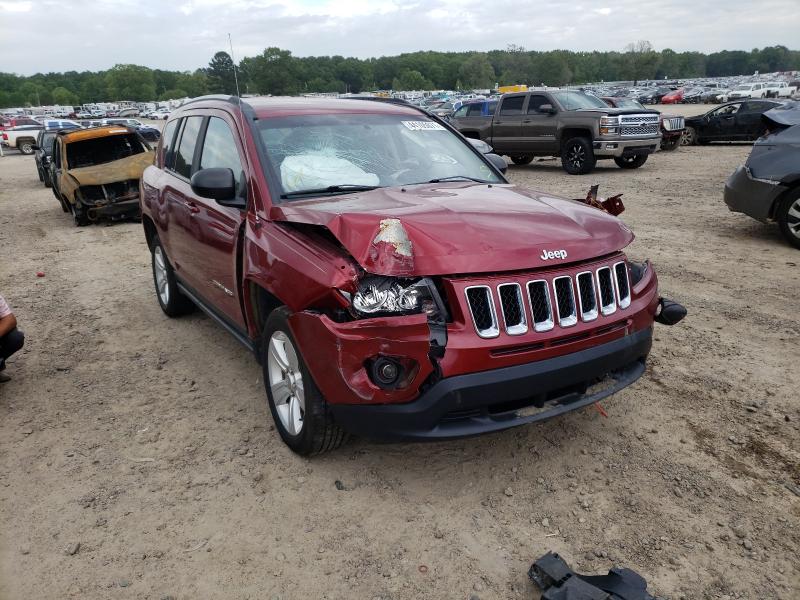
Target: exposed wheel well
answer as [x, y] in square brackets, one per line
[794, 189]
[262, 303]
[149, 230]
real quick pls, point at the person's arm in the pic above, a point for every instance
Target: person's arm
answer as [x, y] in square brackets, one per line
[7, 323]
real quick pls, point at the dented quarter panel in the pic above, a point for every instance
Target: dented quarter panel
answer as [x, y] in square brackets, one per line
[460, 227]
[336, 353]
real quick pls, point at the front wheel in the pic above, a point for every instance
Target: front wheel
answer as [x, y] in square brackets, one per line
[631, 162]
[170, 298]
[788, 217]
[577, 156]
[298, 408]
[689, 137]
[521, 159]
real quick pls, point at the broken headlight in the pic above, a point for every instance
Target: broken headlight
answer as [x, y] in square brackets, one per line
[382, 296]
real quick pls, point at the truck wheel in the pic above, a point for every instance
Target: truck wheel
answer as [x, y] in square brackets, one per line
[170, 298]
[79, 216]
[671, 144]
[25, 145]
[577, 156]
[788, 217]
[689, 137]
[631, 162]
[521, 159]
[300, 412]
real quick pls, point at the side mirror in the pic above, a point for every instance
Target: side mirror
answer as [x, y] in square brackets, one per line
[480, 146]
[217, 184]
[498, 162]
[547, 108]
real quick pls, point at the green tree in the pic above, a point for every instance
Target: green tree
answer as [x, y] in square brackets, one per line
[640, 61]
[174, 94]
[221, 76]
[130, 82]
[63, 97]
[411, 80]
[476, 72]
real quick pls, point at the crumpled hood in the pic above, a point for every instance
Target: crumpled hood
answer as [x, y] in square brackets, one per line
[123, 169]
[459, 228]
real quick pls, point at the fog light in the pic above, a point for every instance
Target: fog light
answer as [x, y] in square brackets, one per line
[385, 371]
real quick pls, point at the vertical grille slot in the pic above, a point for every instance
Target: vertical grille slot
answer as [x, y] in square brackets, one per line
[606, 286]
[513, 308]
[587, 296]
[623, 286]
[565, 301]
[541, 309]
[481, 307]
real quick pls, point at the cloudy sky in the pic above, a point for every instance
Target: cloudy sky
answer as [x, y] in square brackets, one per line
[62, 35]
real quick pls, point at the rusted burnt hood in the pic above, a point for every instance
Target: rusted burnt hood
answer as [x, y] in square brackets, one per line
[454, 228]
[130, 167]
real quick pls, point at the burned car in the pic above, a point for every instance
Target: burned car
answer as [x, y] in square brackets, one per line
[767, 186]
[389, 279]
[95, 172]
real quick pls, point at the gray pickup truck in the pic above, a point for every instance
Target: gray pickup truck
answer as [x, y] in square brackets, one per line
[577, 127]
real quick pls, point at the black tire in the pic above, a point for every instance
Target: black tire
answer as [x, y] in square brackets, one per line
[788, 217]
[39, 172]
[631, 162]
[25, 145]
[671, 144]
[689, 136]
[521, 159]
[172, 301]
[46, 179]
[79, 216]
[577, 156]
[318, 431]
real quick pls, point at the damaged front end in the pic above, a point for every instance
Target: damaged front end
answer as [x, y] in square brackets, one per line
[116, 200]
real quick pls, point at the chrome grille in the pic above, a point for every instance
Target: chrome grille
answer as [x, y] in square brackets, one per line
[605, 283]
[674, 123]
[623, 287]
[631, 125]
[513, 308]
[587, 296]
[481, 306]
[565, 301]
[541, 309]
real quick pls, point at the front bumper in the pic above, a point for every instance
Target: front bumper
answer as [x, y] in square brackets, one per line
[751, 196]
[498, 399]
[114, 210]
[615, 148]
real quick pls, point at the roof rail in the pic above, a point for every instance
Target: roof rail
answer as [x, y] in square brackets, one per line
[219, 97]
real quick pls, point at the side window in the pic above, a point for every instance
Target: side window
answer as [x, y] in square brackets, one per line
[185, 153]
[168, 142]
[474, 110]
[461, 112]
[534, 102]
[512, 106]
[491, 107]
[219, 149]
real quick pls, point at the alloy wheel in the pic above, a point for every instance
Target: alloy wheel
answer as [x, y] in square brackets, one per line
[160, 264]
[286, 382]
[793, 219]
[576, 156]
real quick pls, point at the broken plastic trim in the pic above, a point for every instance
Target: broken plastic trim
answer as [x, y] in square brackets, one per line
[559, 582]
[612, 205]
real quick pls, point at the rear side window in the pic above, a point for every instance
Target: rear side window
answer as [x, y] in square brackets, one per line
[219, 149]
[475, 110]
[512, 106]
[185, 153]
[168, 142]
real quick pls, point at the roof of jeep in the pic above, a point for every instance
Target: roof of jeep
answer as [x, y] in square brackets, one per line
[78, 135]
[283, 106]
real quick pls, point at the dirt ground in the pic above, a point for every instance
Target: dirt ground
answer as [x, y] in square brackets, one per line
[138, 458]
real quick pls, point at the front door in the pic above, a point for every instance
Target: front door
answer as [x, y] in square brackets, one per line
[507, 125]
[539, 127]
[213, 236]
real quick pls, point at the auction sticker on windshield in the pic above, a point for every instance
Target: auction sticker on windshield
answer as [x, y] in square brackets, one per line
[423, 126]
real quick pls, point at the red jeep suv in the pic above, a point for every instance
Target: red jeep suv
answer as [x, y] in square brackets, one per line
[388, 278]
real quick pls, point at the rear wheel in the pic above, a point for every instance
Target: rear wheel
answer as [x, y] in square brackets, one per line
[39, 172]
[689, 137]
[788, 217]
[298, 408]
[631, 162]
[668, 145]
[25, 146]
[518, 159]
[577, 156]
[170, 298]
[79, 216]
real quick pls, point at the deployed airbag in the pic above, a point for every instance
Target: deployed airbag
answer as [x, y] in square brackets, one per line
[316, 171]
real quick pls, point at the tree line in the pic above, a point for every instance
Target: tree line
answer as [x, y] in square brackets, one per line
[276, 71]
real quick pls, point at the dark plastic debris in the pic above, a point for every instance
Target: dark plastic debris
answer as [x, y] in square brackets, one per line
[559, 582]
[612, 205]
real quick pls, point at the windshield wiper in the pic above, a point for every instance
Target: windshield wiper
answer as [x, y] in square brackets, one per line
[332, 189]
[457, 177]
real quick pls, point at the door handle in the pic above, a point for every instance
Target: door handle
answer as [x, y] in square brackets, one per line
[193, 208]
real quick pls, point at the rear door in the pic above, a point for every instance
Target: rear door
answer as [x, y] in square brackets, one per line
[749, 125]
[507, 124]
[722, 123]
[214, 229]
[538, 127]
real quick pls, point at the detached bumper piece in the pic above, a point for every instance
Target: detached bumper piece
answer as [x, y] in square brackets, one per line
[669, 312]
[751, 196]
[559, 582]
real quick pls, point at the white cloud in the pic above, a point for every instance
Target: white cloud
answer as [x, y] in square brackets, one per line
[605, 11]
[21, 7]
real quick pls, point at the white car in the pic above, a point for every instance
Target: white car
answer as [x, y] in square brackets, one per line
[748, 90]
[779, 89]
